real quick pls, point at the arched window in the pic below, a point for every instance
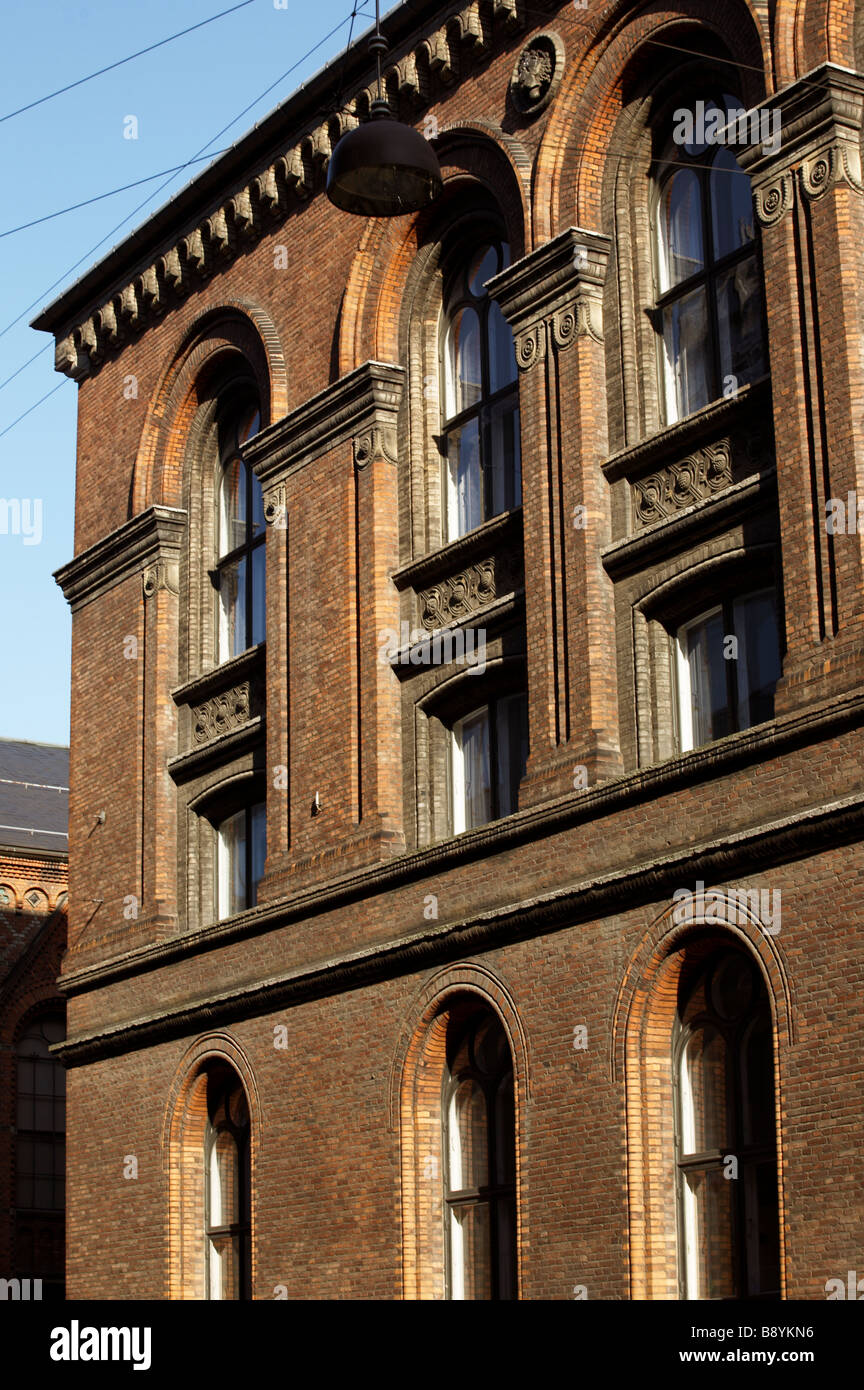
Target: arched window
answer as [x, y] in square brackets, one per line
[480, 426]
[40, 1150]
[725, 1134]
[479, 1161]
[226, 1187]
[709, 311]
[239, 574]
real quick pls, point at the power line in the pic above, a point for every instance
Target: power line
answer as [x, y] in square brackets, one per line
[73, 207]
[120, 61]
[34, 406]
[66, 273]
[155, 194]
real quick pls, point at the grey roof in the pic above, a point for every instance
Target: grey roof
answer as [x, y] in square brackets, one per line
[34, 795]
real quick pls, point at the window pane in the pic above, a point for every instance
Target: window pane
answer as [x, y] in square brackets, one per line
[685, 342]
[757, 1083]
[484, 264]
[704, 1119]
[505, 482]
[472, 742]
[708, 714]
[224, 1267]
[731, 205]
[512, 737]
[502, 350]
[470, 1265]
[258, 522]
[708, 1234]
[761, 1229]
[465, 480]
[739, 319]
[224, 1181]
[469, 1155]
[464, 374]
[232, 610]
[758, 669]
[258, 828]
[232, 520]
[231, 860]
[506, 1249]
[680, 228]
[259, 615]
[505, 1132]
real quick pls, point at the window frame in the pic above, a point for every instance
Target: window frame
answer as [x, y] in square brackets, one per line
[492, 709]
[231, 417]
[672, 160]
[750, 1156]
[236, 1230]
[682, 702]
[35, 1135]
[493, 1195]
[457, 262]
[224, 873]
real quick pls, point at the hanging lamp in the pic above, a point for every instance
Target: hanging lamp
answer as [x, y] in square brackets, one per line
[382, 168]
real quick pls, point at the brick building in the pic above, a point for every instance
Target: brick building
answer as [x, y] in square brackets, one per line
[525, 961]
[34, 797]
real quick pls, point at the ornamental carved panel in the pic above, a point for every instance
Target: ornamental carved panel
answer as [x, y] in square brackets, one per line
[694, 479]
[224, 712]
[475, 587]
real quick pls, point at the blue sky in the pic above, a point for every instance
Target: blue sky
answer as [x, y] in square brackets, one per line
[60, 153]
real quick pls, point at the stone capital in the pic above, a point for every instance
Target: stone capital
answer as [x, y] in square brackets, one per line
[554, 294]
[818, 145]
[361, 407]
[149, 544]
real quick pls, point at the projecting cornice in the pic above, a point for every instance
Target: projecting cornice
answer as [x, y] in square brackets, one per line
[149, 545]
[361, 406]
[560, 283]
[426, 61]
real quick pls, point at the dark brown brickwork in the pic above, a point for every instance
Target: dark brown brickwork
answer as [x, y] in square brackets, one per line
[330, 997]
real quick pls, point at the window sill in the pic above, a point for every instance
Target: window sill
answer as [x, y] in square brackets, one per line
[220, 677]
[502, 532]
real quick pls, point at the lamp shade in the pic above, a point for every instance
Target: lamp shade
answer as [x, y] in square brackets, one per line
[383, 168]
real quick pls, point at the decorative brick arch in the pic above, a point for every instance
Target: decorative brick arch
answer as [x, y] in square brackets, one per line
[641, 1057]
[415, 1083]
[372, 307]
[183, 1156]
[584, 120]
[234, 329]
[810, 32]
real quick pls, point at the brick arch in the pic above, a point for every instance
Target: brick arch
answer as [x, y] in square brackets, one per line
[183, 1128]
[810, 32]
[235, 329]
[469, 151]
[641, 1056]
[415, 1081]
[584, 119]
[29, 1005]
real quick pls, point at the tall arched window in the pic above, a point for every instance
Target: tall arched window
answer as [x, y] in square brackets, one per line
[725, 1134]
[479, 1161]
[226, 1188]
[239, 574]
[480, 426]
[40, 1118]
[709, 311]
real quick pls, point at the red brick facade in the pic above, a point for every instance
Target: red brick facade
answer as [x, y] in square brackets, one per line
[330, 997]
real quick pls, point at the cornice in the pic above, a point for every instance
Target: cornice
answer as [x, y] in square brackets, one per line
[727, 414]
[693, 768]
[268, 177]
[151, 538]
[712, 861]
[501, 531]
[366, 400]
[559, 284]
[820, 127]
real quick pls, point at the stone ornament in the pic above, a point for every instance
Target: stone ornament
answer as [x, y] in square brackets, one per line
[774, 200]
[472, 589]
[537, 74]
[836, 163]
[222, 713]
[377, 443]
[694, 479]
[530, 347]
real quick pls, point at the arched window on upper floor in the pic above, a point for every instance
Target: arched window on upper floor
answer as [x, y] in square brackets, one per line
[239, 576]
[480, 394]
[709, 304]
